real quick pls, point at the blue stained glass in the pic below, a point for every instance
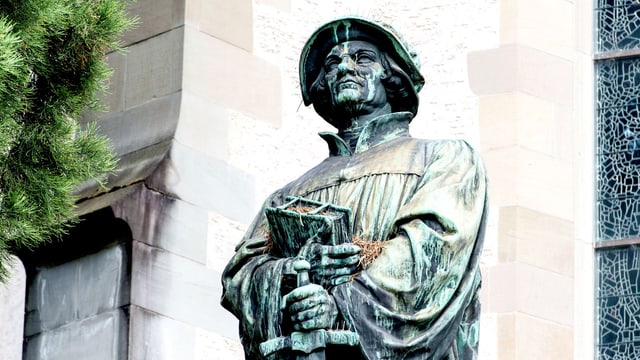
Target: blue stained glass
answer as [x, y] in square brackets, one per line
[618, 303]
[618, 149]
[617, 85]
[617, 25]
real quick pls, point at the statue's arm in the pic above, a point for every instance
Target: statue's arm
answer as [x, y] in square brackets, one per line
[437, 229]
[252, 285]
[260, 289]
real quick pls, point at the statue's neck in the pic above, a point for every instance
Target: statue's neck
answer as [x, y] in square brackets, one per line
[352, 133]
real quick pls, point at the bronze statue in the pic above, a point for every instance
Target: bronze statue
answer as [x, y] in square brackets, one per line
[298, 283]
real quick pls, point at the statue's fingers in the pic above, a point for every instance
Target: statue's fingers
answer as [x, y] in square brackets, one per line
[312, 313]
[343, 271]
[343, 250]
[335, 263]
[302, 292]
[313, 323]
[340, 280]
[302, 305]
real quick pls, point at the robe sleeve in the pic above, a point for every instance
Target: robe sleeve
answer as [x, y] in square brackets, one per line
[412, 299]
[251, 291]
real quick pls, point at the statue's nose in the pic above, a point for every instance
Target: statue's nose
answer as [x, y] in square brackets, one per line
[347, 64]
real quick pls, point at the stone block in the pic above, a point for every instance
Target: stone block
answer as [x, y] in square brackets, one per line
[526, 178]
[284, 5]
[513, 68]
[113, 98]
[584, 324]
[565, 135]
[546, 76]
[179, 288]
[488, 345]
[165, 222]
[538, 127]
[208, 183]
[142, 126]
[520, 23]
[154, 336]
[493, 71]
[138, 165]
[229, 21]
[211, 345]
[498, 120]
[154, 68]
[541, 339]
[61, 295]
[141, 137]
[507, 337]
[226, 75]
[522, 288]
[537, 239]
[106, 200]
[132, 168]
[101, 337]
[583, 20]
[520, 336]
[12, 295]
[155, 17]
[223, 236]
[203, 126]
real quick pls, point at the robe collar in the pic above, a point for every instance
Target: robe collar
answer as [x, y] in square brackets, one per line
[379, 130]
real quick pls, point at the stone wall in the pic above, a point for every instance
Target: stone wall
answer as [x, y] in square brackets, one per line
[526, 102]
[12, 299]
[271, 149]
[205, 110]
[78, 293]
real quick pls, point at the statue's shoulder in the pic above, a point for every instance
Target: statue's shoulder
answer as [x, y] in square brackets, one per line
[439, 145]
[444, 144]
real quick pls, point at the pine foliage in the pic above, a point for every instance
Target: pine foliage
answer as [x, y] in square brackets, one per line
[51, 68]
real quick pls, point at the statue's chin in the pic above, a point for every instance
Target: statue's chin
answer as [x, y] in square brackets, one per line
[348, 102]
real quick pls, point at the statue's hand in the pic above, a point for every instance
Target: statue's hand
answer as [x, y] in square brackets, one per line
[331, 264]
[310, 307]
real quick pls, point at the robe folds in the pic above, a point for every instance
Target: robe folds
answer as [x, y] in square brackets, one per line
[426, 200]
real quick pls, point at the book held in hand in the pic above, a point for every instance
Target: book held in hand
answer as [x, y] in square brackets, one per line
[300, 219]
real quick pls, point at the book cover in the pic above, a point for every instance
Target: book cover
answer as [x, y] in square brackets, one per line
[300, 219]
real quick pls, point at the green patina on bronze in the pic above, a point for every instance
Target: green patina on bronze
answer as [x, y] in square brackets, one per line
[296, 283]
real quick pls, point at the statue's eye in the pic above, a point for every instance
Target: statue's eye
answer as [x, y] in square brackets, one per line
[364, 59]
[331, 63]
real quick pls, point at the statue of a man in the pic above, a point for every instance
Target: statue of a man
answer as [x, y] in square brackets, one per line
[423, 199]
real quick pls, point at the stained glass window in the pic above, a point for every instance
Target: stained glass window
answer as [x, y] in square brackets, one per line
[618, 303]
[618, 148]
[617, 137]
[617, 25]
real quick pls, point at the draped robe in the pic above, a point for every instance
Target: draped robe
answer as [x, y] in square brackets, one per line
[426, 200]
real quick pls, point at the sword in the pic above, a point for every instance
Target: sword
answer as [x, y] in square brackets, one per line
[308, 345]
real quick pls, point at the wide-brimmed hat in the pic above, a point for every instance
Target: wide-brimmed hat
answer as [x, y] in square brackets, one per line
[352, 28]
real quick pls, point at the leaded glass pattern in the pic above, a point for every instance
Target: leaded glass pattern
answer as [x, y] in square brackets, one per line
[618, 303]
[618, 149]
[617, 25]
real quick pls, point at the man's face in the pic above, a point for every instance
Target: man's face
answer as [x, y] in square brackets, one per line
[353, 73]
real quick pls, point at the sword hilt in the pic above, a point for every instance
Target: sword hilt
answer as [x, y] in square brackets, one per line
[302, 267]
[306, 342]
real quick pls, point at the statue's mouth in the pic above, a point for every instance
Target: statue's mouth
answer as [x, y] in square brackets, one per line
[348, 83]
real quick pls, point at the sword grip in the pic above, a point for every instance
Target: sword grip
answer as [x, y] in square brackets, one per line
[302, 268]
